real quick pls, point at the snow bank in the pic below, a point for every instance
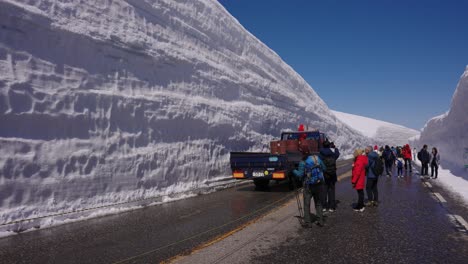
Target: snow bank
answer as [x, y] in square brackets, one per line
[381, 131]
[449, 132]
[105, 102]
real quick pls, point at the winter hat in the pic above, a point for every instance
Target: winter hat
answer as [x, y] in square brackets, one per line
[376, 147]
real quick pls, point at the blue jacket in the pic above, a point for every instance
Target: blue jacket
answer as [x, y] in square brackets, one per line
[372, 156]
[300, 172]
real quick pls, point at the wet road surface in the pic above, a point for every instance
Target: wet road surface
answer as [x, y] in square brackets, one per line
[148, 235]
[411, 225]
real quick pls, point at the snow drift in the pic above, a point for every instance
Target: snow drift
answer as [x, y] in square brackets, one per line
[104, 102]
[449, 132]
[381, 131]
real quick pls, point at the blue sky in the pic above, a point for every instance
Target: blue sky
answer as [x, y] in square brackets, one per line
[397, 61]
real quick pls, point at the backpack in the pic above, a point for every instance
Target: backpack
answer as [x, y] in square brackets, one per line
[388, 155]
[330, 163]
[399, 164]
[420, 155]
[313, 171]
[378, 167]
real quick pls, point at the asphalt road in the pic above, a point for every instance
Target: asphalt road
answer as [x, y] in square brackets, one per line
[149, 235]
[414, 223]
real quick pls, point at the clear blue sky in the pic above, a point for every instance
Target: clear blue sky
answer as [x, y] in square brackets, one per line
[397, 61]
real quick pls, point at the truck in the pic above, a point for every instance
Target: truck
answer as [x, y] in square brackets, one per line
[278, 164]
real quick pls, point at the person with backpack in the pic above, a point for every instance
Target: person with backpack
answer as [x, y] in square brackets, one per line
[435, 161]
[310, 171]
[329, 156]
[358, 178]
[374, 169]
[406, 153]
[425, 158]
[400, 167]
[389, 158]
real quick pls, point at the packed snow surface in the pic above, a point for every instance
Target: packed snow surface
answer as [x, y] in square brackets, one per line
[105, 102]
[449, 132]
[380, 131]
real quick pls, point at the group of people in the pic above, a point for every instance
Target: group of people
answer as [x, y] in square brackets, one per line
[368, 165]
[401, 157]
[365, 171]
[427, 158]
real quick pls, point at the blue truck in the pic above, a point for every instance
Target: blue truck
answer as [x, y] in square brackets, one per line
[278, 164]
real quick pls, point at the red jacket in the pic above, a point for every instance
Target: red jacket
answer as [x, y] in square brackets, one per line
[406, 152]
[358, 178]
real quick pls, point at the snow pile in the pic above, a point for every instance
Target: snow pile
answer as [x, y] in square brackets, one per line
[449, 132]
[456, 185]
[380, 131]
[105, 102]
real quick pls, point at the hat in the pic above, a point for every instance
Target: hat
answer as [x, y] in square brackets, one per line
[376, 147]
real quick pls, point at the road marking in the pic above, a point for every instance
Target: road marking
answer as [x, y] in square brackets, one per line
[428, 184]
[441, 199]
[461, 221]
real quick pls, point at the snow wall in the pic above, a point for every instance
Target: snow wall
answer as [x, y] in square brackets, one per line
[104, 102]
[449, 132]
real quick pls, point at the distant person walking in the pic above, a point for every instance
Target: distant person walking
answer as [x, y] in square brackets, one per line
[425, 158]
[389, 158]
[406, 153]
[329, 154]
[358, 178]
[374, 169]
[435, 161]
[400, 167]
[414, 153]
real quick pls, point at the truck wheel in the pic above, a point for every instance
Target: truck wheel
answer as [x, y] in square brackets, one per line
[261, 183]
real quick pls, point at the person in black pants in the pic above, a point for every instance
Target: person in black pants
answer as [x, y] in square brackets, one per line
[425, 158]
[435, 159]
[329, 154]
[372, 179]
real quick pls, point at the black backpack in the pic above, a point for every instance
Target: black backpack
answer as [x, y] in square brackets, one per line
[388, 155]
[330, 163]
[378, 167]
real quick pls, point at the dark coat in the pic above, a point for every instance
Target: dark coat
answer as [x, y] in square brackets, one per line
[327, 154]
[425, 156]
[371, 161]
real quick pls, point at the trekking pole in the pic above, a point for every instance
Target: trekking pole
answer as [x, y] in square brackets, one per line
[299, 203]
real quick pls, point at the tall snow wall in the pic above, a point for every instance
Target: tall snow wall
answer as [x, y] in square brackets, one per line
[449, 132]
[103, 102]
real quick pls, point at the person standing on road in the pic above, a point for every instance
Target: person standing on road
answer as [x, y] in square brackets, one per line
[435, 161]
[406, 153]
[311, 190]
[372, 178]
[358, 178]
[400, 167]
[389, 158]
[329, 156]
[425, 158]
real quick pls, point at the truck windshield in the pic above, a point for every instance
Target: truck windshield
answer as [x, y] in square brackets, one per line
[296, 135]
